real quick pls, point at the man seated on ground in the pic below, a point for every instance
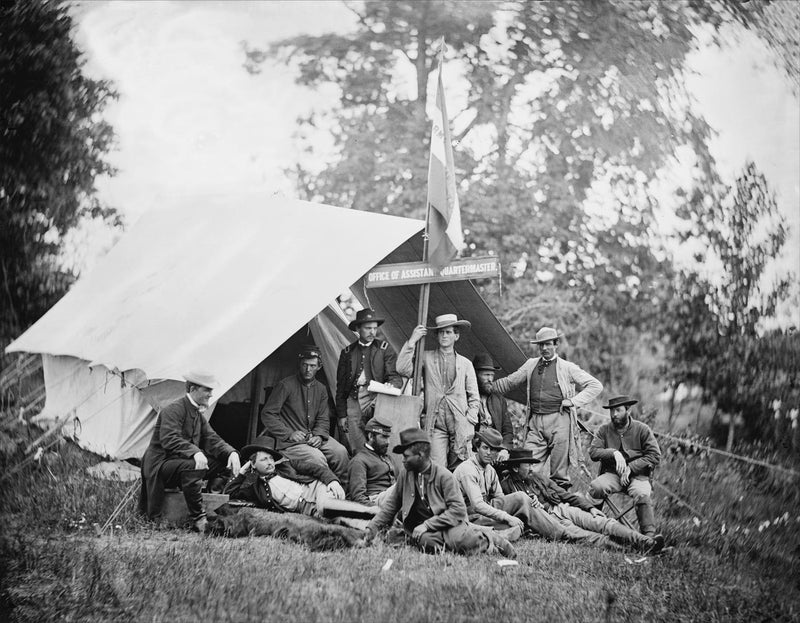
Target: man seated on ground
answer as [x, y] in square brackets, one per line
[480, 486]
[298, 417]
[271, 481]
[493, 411]
[432, 508]
[371, 472]
[183, 451]
[628, 452]
[568, 509]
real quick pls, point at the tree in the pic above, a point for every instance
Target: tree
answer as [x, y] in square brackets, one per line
[52, 149]
[716, 323]
[563, 101]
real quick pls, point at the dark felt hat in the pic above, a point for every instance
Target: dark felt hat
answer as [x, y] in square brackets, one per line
[409, 437]
[262, 444]
[484, 361]
[620, 401]
[491, 438]
[364, 315]
[520, 455]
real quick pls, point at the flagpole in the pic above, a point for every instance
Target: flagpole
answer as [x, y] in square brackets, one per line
[425, 288]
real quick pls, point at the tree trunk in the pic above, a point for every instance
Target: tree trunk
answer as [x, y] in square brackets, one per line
[731, 427]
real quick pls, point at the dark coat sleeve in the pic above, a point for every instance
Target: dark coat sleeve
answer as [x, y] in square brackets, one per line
[213, 444]
[391, 505]
[322, 413]
[271, 413]
[651, 453]
[343, 383]
[455, 512]
[173, 439]
[357, 481]
[573, 499]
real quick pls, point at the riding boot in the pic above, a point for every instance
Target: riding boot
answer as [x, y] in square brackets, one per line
[644, 513]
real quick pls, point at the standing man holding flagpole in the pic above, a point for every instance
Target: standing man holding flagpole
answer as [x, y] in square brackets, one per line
[451, 400]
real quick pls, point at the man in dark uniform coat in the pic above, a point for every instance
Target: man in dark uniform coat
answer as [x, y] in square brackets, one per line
[493, 412]
[367, 359]
[184, 450]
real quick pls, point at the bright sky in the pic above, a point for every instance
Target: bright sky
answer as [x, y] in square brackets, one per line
[191, 120]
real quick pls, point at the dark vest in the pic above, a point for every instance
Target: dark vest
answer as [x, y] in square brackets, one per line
[545, 395]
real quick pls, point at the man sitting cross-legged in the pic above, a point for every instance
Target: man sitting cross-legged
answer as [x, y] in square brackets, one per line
[572, 512]
[371, 473]
[271, 481]
[480, 486]
[433, 512]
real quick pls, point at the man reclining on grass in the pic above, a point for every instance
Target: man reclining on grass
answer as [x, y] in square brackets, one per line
[271, 481]
[566, 516]
[433, 512]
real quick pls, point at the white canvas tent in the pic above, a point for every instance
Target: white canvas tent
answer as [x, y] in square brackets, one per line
[213, 283]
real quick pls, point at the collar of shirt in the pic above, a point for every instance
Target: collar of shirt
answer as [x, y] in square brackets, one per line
[362, 345]
[194, 404]
[369, 447]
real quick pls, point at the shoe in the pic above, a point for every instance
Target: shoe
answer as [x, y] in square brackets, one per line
[200, 525]
[657, 546]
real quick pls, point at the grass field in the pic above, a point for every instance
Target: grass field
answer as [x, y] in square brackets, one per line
[739, 561]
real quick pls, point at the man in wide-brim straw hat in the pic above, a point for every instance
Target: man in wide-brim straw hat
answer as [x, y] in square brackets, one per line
[628, 453]
[184, 450]
[367, 359]
[451, 390]
[555, 389]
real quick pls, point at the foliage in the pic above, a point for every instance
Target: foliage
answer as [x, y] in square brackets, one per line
[732, 563]
[562, 104]
[715, 325]
[52, 150]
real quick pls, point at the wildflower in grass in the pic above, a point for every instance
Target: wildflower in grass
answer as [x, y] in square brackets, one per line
[723, 530]
[696, 521]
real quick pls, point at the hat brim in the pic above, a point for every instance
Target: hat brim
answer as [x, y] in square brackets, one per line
[401, 447]
[492, 368]
[455, 323]
[207, 383]
[248, 451]
[509, 462]
[547, 339]
[627, 403]
[354, 324]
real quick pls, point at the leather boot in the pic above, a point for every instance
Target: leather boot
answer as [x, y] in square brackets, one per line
[644, 513]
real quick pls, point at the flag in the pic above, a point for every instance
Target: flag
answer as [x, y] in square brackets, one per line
[445, 238]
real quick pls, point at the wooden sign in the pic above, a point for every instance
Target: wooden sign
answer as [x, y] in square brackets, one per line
[411, 273]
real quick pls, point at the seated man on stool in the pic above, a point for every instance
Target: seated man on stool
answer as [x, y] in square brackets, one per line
[271, 481]
[628, 452]
[298, 417]
[184, 450]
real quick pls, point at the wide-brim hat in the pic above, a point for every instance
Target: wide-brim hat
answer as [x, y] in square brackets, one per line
[520, 455]
[449, 320]
[365, 315]
[377, 424]
[262, 444]
[491, 438]
[203, 378]
[482, 361]
[545, 334]
[409, 437]
[620, 401]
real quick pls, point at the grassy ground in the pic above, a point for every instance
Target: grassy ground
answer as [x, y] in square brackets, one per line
[736, 561]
